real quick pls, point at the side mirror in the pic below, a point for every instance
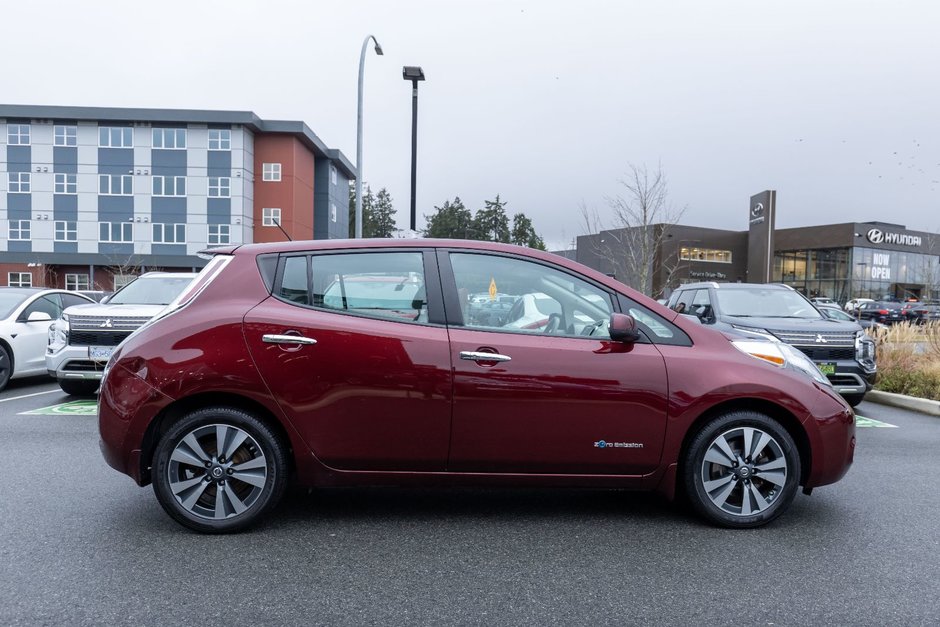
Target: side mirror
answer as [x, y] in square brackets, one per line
[622, 328]
[39, 316]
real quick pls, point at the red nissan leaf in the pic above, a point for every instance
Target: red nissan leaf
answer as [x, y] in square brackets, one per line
[435, 362]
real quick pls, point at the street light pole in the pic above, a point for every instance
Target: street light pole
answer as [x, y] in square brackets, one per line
[362, 65]
[414, 74]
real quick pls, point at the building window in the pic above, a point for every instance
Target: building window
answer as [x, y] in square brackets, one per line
[65, 136]
[332, 174]
[169, 186]
[219, 234]
[220, 139]
[18, 134]
[115, 137]
[19, 279]
[169, 233]
[169, 138]
[115, 184]
[705, 254]
[19, 182]
[120, 280]
[220, 187]
[270, 171]
[66, 231]
[270, 216]
[115, 232]
[19, 230]
[66, 183]
[332, 212]
[77, 282]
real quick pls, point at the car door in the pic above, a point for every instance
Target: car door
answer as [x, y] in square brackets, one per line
[558, 397]
[367, 382]
[29, 338]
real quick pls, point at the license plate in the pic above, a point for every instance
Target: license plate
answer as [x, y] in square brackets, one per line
[826, 368]
[100, 353]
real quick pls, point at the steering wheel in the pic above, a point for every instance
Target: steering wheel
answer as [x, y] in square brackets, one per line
[553, 325]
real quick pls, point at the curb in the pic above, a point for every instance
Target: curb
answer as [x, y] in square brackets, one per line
[912, 403]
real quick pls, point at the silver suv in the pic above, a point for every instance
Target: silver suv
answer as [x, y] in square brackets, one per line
[82, 339]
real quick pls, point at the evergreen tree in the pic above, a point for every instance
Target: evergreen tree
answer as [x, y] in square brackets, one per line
[451, 220]
[523, 233]
[379, 220]
[491, 223]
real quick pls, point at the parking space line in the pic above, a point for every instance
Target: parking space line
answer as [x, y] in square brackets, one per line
[16, 398]
[862, 421]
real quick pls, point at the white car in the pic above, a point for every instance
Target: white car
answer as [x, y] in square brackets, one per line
[81, 341]
[25, 316]
[853, 304]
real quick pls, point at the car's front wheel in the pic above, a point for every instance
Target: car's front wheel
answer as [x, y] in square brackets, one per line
[741, 470]
[79, 387]
[6, 367]
[219, 469]
[853, 399]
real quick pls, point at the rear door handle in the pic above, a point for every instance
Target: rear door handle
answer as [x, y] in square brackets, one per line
[480, 356]
[287, 339]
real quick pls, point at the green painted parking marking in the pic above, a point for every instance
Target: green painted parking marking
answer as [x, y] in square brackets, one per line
[862, 421]
[72, 408]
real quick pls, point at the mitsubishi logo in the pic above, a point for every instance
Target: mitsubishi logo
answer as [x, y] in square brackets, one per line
[820, 339]
[106, 324]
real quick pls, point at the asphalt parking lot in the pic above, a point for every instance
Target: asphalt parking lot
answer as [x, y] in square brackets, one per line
[82, 544]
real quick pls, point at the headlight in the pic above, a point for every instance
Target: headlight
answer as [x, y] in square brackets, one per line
[756, 331]
[58, 334]
[783, 356]
[864, 348]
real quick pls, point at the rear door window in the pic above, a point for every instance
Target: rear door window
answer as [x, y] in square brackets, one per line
[387, 285]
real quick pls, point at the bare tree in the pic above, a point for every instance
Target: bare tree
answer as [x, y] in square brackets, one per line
[630, 239]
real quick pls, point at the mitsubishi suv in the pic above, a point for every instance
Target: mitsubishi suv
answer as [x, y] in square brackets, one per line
[841, 350]
[81, 341]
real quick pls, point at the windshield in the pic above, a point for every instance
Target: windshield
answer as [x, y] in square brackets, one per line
[151, 291]
[9, 302]
[761, 302]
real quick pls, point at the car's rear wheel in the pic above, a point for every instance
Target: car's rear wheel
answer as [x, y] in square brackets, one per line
[79, 387]
[219, 469]
[6, 367]
[853, 399]
[741, 470]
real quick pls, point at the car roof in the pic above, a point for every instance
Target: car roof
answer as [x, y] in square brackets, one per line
[25, 291]
[167, 275]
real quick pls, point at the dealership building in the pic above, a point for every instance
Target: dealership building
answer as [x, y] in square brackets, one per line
[839, 261]
[90, 197]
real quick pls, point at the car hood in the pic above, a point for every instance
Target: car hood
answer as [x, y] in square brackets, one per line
[793, 324]
[115, 311]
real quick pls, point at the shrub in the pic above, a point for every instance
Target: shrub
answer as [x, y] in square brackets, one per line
[909, 360]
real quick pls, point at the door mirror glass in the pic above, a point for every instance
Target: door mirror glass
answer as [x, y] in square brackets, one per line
[39, 316]
[623, 328]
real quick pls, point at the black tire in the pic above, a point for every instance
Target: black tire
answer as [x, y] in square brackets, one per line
[853, 399]
[733, 512]
[79, 387]
[6, 367]
[262, 448]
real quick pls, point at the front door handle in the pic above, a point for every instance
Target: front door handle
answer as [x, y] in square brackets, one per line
[287, 339]
[481, 356]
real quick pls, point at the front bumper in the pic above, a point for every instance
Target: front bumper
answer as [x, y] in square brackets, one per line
[851, 378]
[72, 362]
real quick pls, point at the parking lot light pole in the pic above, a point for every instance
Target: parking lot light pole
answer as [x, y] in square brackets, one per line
[414, 74]
[362, 65]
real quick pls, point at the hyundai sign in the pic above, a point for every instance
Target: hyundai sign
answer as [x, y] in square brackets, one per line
[877, 236]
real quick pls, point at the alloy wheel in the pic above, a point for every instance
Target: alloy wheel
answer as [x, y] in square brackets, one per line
[217, 471]
[744, 471]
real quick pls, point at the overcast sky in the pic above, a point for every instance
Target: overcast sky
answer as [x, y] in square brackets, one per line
[834, 104]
